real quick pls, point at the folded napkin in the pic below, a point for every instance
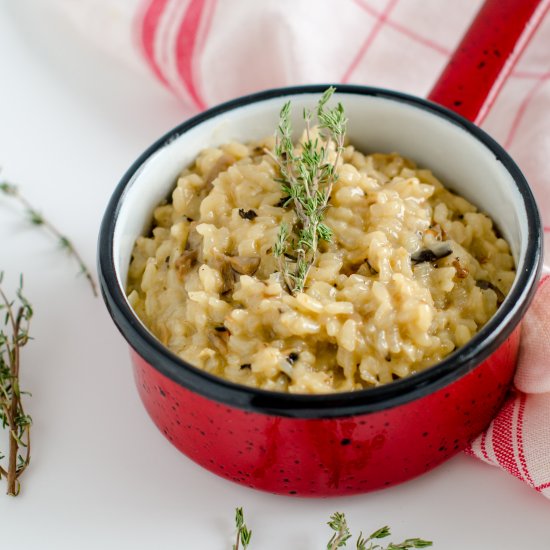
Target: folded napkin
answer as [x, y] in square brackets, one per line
[207, 51]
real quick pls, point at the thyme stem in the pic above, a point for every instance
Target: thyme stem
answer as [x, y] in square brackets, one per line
[38, 219]
[12, 412]
[11, 402]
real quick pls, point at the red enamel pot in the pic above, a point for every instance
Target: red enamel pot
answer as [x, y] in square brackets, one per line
[324, 445]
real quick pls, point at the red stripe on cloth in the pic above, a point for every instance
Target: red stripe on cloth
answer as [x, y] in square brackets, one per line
[382, 18]
[409, 33]
[523, 108]
[186, 42]
[503, 443]
[547, 228]
[543, 486]
[419, 38]
[521, 450]
[149, 25]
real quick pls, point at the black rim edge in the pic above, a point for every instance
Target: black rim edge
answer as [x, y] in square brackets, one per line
[451, 368]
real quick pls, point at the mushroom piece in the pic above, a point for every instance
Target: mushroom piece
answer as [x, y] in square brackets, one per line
[484, 285]
[432, 254]
[227, 273]
[229, 266]
[218, 341]
[247, 214]
[185, 261]
[283, 201]
[292, 357]
[245, 265]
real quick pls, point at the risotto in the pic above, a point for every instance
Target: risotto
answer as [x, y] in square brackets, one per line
[412, 272]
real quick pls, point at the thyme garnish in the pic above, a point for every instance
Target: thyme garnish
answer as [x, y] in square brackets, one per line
[36, 218]
[307, 179]
[14, 334]
[340, 537]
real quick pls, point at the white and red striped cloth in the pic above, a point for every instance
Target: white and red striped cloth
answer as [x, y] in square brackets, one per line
[518, 439]
[207, 51]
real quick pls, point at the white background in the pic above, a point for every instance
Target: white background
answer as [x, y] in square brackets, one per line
[102, 476]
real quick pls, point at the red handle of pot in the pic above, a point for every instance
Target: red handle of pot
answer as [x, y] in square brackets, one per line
[485, 57]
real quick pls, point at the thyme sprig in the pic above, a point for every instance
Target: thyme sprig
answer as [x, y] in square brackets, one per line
[340, 537]
[307, 179]
[14, 334]
[36, 218]
[342, 534]
[243, 533]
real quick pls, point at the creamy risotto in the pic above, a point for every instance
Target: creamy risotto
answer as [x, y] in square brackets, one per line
[413, 271]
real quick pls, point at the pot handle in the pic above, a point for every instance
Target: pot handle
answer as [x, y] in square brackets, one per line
[485, 57]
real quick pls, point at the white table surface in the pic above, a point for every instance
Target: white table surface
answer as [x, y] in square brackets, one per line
[102, 476]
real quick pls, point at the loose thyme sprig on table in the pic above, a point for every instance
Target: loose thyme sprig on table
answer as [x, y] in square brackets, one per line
[307, 179]
[14, 334]
[340, 536]
[243, 533]
[36, 218]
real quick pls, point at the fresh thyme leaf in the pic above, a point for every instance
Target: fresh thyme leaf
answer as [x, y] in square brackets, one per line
[36, 218]
[14, 334]
[381, 533]
[306, 182]
[7, 188]
[409, 543]
[361, 543]
[279, 247]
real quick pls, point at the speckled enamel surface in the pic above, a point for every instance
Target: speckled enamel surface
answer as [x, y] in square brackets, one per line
[328, 457]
